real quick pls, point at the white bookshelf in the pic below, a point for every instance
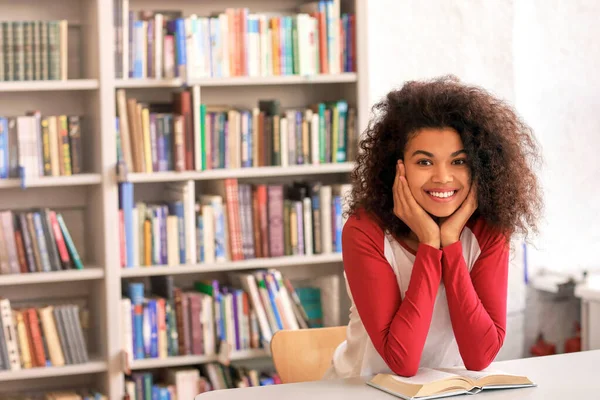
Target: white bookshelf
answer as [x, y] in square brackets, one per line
[91, 91]
[241, 173]
[180, 361]
[91, 367]
[87, 274]
[42, 86]
[347, 77]
[273, 262]
[54, 181]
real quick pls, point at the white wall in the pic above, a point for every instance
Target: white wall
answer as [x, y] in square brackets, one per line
[412, 39]
[556, 59]
[541, 56]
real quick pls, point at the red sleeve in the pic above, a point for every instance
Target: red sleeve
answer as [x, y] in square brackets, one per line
[477, 302]
[398, 328]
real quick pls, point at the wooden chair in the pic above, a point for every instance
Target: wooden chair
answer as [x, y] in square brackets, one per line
[305, 355]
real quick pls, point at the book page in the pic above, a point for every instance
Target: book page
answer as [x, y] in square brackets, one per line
[475, 375]
[424, 376]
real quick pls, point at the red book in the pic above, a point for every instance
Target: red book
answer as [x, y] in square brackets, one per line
[38, 355]
[233, 219]
[182, 105]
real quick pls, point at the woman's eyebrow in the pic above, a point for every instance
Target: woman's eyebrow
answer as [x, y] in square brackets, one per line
[426, 153]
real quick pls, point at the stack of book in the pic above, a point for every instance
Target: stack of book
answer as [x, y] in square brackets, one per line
[166, 321]
[45, 336]
[80, 394]
[315, 38]
[33, 50]
[36, 241]
[187, 135]
[186, 383]
[231, 221]
[37, 145]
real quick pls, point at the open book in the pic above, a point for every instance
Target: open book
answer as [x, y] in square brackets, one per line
[444, 382]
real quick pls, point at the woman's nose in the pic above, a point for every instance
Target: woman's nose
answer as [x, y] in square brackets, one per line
[441, 174]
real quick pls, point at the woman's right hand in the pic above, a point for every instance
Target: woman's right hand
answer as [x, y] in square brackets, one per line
[411, 213]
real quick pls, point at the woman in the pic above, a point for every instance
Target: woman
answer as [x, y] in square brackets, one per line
[443, 180]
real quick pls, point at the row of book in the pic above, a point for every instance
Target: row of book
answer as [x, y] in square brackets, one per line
[315, 38]
[35, 145]
[33, 50]
[187, 383]
[41, 336]
[213, 317]
[36, 241]
[188, 135]
[79, 394]
[231, 221]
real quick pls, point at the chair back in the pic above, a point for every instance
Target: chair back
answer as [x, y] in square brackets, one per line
[304, 355]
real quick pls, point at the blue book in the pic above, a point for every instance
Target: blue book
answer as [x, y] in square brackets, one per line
[246, 140]
[272, 290]
[300, 224]
[126, 194]
[200, 239]
[41, 242]
[4, 164]
[160, 144]
[176, 208]
[146, 329]
[135, 292]
[162, 212]
[152, 311]
[337, 218]
[138, 48]
[236, 325]
[180, 48]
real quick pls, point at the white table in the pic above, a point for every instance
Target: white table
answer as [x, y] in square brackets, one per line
[559, 377]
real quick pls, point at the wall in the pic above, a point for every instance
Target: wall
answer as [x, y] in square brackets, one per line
[557, 86]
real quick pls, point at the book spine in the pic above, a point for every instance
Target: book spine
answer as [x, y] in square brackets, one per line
[70, 245]
[75, 144]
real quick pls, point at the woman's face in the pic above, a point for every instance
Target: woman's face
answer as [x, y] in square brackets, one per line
[437, 171]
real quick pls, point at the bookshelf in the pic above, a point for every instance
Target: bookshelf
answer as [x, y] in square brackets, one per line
[179, 361]
[92, 198]
[41, 86]
[273, 262]
[92, 367]
[240, 173]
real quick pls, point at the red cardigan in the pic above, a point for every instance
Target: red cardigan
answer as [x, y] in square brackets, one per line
[398, 327]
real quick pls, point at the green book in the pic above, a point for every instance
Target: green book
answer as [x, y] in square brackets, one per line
[69, 242]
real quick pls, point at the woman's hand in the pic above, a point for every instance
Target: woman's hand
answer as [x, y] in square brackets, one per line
[452, 227]
[411, 213]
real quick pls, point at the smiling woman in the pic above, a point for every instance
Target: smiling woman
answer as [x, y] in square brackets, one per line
[443, 180]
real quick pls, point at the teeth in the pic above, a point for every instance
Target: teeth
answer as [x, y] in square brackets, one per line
[442, 195]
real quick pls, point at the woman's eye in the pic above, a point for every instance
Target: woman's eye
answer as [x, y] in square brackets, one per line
[459, 162]
[424, 162]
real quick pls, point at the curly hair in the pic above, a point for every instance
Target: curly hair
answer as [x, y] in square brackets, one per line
[501, 152]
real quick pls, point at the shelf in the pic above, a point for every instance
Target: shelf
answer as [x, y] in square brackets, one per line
[585, 292]
[86, 274]
[91, 367]
[274, 262]
[239, 81]
[48, 181]
[41, 86]
[178, 361]
[254, 172]
[148, 83]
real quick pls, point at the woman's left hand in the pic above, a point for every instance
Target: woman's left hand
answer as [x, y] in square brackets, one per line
[452, 227]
